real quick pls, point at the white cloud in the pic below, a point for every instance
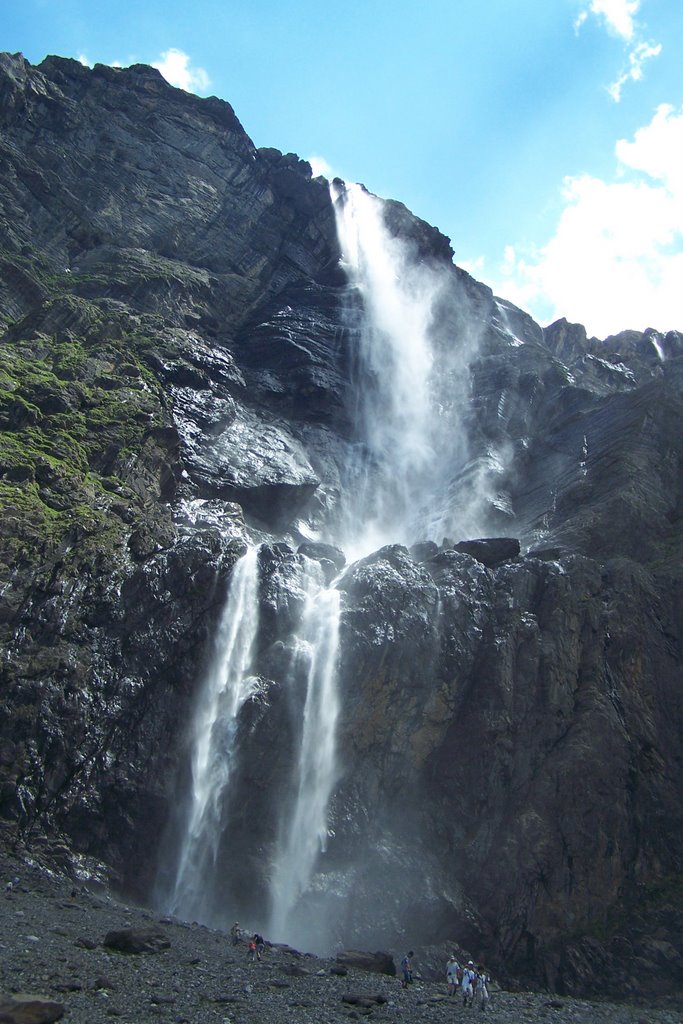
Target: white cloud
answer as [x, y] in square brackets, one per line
[475, 267]
[636, 58]
[616, 257]
[175, 66]
[87, 63]
[619, 17]
[657, 149]
[319, 165]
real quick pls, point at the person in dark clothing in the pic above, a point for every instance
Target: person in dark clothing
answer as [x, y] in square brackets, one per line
[407, 968]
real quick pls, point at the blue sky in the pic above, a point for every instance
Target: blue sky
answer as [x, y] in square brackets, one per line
[545, 137]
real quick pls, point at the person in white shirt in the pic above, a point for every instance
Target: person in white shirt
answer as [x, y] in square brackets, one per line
[483, 987]
[452, 975]
[469, 976]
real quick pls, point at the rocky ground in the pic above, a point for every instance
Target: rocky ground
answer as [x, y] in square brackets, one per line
[52, 938]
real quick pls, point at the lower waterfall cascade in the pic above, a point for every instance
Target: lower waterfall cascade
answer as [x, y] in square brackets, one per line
[226, 687]
[304, 825]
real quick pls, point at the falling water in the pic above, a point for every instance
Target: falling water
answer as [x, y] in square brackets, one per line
[225, 689]
[393, 459]
[304, 827]
[398, 487]
[657, 345]
[391, 479]
[392, 388]
[392, 464]
[414, 343]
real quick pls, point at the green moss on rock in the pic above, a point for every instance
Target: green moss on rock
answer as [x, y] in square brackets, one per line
[83, 432]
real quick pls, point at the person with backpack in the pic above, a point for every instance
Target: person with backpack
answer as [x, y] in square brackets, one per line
[469, 976]
[260, 945]
[452, 968]
[407, 968]
[483, 987]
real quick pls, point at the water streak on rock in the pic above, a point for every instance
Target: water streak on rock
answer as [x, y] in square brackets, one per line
[304, 828]
[227, 686]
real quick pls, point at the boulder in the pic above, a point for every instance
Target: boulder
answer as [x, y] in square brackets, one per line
[377, 963]
[30, 1009]
[546, 554]
[490, 551]
[323, 552]
[424, 550]
[363, 1001]
[137, 940]
[294, 970]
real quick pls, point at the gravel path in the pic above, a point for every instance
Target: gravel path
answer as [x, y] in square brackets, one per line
[51, 941]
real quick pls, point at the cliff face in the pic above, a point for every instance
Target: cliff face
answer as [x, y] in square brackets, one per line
[177, 365]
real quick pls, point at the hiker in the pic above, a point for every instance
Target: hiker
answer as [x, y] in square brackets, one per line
[468, 984]
[452, 968]
[260, 945]
[407, 968]
[251, 950]
[236, 933]
[483, 987]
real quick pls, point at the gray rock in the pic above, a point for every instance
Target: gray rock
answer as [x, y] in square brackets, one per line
[137, 940]
[490, 551]
[377, 963]
[323, 552]
[30, 1009]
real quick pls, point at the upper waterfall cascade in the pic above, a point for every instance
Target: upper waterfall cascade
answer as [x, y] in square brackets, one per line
[409, 478]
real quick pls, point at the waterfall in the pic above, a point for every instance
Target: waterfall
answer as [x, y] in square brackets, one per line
[226, 687]
[303, 833]
[391, 388]
[403, 483]
[409, 387]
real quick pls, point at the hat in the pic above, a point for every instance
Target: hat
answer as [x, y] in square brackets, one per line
[470, 963]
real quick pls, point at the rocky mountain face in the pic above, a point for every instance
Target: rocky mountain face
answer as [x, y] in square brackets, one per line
[176, 384]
